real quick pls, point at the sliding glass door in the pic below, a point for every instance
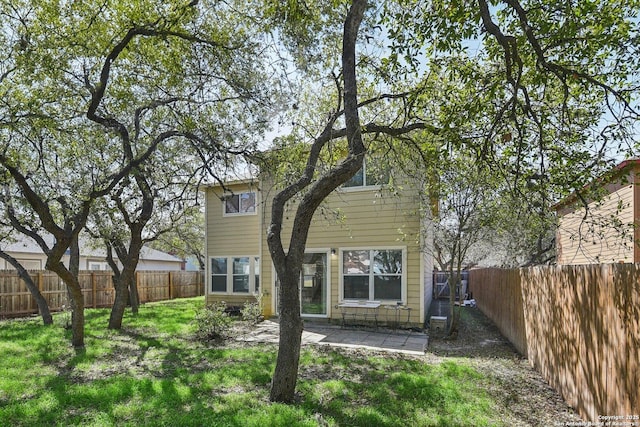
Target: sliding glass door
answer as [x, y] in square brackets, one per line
[313, 285]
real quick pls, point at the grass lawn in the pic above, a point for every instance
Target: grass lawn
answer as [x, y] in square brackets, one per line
[154, 373]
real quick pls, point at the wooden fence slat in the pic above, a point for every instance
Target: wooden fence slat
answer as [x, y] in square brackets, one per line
[97, 288]
[579, 327]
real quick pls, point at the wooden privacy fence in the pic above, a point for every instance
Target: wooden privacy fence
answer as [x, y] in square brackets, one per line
[97, 288]
[578, 325]
[498, 294]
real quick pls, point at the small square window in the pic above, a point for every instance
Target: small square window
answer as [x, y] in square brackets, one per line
[241, 203]
[374, 172]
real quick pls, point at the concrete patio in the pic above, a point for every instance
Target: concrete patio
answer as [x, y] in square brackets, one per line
[402, 341]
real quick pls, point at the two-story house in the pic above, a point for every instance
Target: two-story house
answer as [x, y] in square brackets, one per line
[366, 243]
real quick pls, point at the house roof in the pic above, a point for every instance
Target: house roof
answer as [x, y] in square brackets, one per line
[628, 163]
[150, 254]
[88, 249]
[234, 181]
[616, 172]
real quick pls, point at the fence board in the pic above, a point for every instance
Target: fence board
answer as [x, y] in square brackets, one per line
[581, 329]
[97, 289]
[498, 294]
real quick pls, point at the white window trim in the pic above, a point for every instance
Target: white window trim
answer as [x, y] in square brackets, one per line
[229, 275]
[403, 277]
[236, 214]
[210, 274]
[377, 187]
[28, 264]
[327, 253]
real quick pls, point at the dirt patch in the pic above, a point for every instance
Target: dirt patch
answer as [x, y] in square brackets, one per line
[526, 399]
[477, 337]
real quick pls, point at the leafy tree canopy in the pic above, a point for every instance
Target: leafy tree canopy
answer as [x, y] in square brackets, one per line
[90, 92]
[544, 91]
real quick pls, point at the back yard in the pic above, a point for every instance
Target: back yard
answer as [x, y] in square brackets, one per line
[155, 373]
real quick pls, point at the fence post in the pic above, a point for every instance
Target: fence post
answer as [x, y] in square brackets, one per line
[170, 285]
[93, 288]
[140, 297]
[112, 294]
[40, 288]
[40, 281]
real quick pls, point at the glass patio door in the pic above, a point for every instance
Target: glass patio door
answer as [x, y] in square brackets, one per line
[313, 285]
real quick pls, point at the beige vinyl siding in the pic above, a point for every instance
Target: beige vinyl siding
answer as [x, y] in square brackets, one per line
[371, 216]
[365, 218]
[230, 236]
[606, 235]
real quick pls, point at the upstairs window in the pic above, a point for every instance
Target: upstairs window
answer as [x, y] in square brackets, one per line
[372, 173]
[240, 203]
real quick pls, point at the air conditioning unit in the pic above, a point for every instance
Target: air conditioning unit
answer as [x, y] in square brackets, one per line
[438, 324]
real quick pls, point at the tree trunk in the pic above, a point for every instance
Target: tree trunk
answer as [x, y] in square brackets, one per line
[126, 290]
[70, 276]
[286, 371]
[41, 302]
[124, 280]
[76, 300]
[455, 274]
[43, 307]
[453, 310]
[288, 265]
[134, 296]
[119, 302]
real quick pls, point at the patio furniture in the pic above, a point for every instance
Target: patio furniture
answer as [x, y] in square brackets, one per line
[356, 312]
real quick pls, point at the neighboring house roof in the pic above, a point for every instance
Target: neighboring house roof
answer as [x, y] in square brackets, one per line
[616, 173]
[151, 254]
[22, 246]
[88, 249]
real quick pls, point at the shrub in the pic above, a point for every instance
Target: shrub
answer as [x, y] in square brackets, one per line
[212, 322]
[252, 311]
[64, 318]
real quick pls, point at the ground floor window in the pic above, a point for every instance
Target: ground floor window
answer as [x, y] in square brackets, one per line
[238, 275]
[372, 274]
[218, 275]
[256, 274]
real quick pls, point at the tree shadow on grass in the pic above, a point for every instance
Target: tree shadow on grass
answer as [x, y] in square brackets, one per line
[365, 391]
[146, 379]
